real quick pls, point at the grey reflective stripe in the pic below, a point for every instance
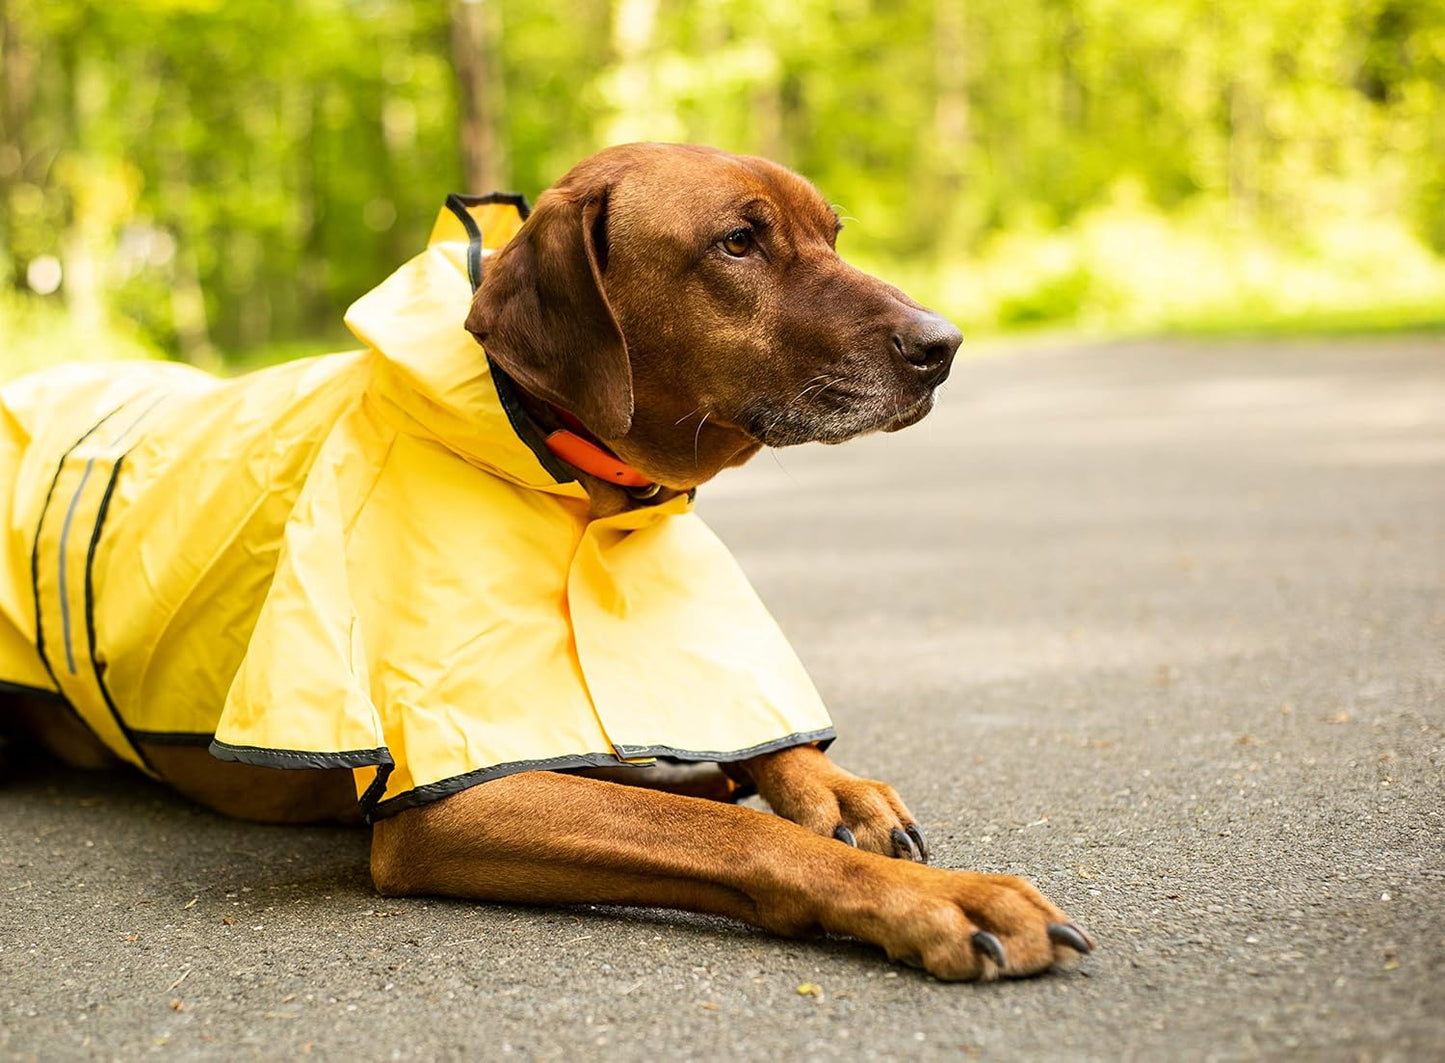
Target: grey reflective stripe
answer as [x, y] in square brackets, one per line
[60, 564]
[35, 546]
[69, 516]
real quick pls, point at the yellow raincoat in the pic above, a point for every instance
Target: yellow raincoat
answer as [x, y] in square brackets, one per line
[368, 560]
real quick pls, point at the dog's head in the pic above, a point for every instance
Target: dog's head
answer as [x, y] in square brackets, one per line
[689, 306]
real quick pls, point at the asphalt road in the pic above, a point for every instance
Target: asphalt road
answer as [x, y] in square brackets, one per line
[1160, 626]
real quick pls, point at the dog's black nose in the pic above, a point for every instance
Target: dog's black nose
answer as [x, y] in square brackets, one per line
[929, 342]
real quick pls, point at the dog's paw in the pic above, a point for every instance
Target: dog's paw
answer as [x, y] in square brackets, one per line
[964, 926]
[865, 814]
[871, 816]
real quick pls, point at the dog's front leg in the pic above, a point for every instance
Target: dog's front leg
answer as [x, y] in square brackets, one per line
[803, 785]
[546, 838]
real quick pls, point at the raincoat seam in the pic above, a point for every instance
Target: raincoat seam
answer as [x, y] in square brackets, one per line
[378, 731]
[381, 467]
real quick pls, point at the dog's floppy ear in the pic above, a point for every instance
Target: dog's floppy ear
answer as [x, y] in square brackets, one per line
[542, 313]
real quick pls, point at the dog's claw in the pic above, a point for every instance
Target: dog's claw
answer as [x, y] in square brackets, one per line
[1071, 935]
[917, 835]
[991, 947]
[904, 847]
[844, 835]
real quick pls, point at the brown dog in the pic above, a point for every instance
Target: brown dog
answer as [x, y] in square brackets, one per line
[687, 307]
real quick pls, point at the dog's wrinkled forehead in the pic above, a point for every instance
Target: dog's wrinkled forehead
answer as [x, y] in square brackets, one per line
[689, 199]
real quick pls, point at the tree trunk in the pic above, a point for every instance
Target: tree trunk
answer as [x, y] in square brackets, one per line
[17, 90]
[83, 244]
[637, 112]
[309, 307]
[475, 57]
[1242, 157]
[951, 130]
[950, 108]
[188, 297]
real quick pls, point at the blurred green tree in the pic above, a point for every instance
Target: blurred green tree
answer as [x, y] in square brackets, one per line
[216, 178]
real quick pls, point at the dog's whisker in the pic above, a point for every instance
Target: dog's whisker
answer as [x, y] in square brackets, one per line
[779, 462]
[820, 378]
[821, 382]
[735, 453]
[697, 437]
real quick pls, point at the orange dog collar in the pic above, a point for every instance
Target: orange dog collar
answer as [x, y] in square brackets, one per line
[594, 460]
[575, 446]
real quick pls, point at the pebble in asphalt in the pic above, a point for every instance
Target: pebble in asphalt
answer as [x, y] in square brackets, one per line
[1159, 625]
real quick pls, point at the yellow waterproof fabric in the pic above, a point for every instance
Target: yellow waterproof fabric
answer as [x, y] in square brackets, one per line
[356, 560]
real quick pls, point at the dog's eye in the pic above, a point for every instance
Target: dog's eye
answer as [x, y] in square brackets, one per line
[738, 242]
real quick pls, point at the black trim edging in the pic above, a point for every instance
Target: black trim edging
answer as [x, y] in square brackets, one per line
[524, 428]
[458, 202]
[35, 545]
[435, 791]
[824, 738]
[258, 757]
[506, 389]
[100, 514]
[291, 759]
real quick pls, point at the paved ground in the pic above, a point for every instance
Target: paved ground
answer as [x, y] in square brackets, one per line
[1162, 627]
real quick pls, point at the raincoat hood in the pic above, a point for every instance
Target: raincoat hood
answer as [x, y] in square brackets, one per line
[432, 372]
[368, 560]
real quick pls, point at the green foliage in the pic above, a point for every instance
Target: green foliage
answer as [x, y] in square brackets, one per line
[38, 333]
[227, 177]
